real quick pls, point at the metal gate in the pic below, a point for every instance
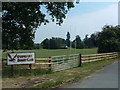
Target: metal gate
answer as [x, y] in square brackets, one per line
[64, 62]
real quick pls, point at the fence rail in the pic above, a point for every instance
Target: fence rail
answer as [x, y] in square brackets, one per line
[38, 65]
[95, 57]
[63, 62]
[58, 63]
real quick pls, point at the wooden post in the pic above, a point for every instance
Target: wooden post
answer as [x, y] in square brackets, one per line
[11, 70]
[49, 64]
[30, 66]
[80, 60]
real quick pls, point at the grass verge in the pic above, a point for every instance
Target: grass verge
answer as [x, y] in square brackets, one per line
[57, 79]
[75, 74]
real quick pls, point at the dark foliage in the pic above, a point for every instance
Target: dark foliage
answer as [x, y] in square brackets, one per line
[21, 19]
[109, 39]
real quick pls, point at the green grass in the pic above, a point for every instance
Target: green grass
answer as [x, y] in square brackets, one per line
[74, 74]
[42, 53]
[57, 78]
[45, 53]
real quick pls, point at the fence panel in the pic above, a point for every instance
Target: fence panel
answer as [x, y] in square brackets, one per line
[64, 62]
[96, 57]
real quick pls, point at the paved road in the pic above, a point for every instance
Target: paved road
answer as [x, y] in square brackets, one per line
[106, 78]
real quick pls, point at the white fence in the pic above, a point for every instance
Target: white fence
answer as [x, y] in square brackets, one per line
[74, 60]
[65, 62]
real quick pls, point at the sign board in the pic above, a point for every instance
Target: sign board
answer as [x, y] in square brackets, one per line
[20, 58]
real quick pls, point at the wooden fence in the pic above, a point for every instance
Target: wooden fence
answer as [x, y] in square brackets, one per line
[41, 63]
[96, 57]
[58, 63]
[74, 60]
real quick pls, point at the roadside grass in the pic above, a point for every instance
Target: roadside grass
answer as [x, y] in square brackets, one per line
[18, 71]
[45, 53]
[74, 74]
[57, 78]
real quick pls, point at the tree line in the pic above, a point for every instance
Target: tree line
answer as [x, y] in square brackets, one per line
[61, 43]
[108, 40]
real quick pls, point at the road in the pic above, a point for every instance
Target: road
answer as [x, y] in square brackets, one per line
[106, 78]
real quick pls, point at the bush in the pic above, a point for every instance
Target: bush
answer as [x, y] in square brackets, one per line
[109, 40]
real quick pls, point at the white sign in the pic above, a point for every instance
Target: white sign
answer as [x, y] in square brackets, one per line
[20, 58]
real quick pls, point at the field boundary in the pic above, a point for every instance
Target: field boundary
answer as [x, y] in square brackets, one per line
[96, 57]
[62, 62]
[37, 65]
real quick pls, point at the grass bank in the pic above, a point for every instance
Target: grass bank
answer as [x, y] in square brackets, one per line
[74, 74]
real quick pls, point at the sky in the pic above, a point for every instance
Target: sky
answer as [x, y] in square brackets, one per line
[84, 18]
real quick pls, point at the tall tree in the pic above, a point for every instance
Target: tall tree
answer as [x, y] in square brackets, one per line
[68, 39]
[86, 41]
[21, 19]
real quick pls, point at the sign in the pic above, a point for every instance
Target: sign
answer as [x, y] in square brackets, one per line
[20, 58]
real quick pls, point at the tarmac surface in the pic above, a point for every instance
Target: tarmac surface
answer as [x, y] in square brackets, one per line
[105, 78]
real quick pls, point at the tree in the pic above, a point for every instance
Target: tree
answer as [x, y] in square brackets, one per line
[37, 46]
[77, 43]
[54, 43]
[60, 43]
[68, 39]
[86, 41]
[46, 44]
[94, 38]
[109, 39]
[89, 42]
[21, 19]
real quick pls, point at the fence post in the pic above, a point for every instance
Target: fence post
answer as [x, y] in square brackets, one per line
[49, 64]
[11, 70]
[30, 66]
[80, 60]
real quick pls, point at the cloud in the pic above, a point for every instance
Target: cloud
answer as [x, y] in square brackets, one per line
[80, 24]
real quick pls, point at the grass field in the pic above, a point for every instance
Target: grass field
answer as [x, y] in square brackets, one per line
[45, 53]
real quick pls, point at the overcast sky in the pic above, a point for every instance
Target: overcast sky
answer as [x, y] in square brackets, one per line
[84, 18]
